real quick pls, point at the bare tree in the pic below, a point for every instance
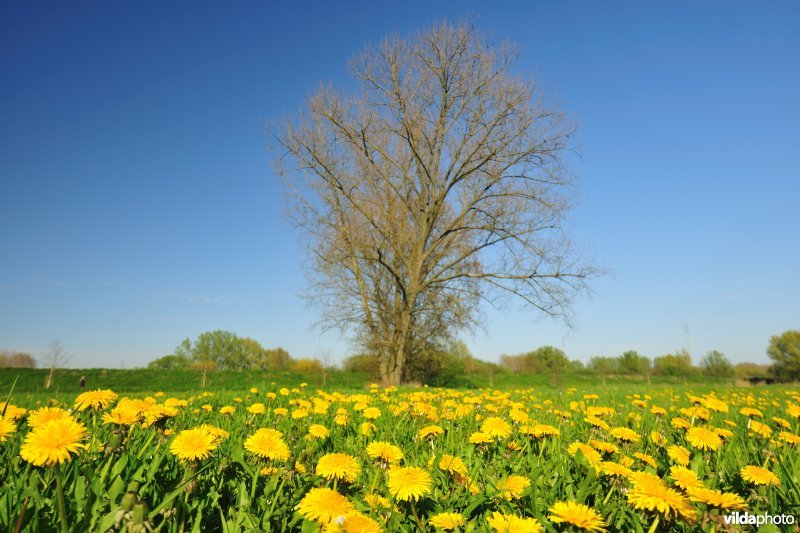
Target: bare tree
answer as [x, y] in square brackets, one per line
[440, 183]
[55, 357]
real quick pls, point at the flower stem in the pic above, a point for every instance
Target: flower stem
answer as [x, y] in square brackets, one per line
[654, 525]
[62, 507]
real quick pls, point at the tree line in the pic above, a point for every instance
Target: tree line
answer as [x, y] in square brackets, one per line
[449, 363]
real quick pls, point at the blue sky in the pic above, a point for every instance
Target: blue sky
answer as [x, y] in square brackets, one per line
[140, 206]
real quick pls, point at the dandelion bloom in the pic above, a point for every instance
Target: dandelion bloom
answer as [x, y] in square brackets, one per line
[96, 399]
[703, 439]
[453, 465]
[503, 523]
[7, 427]
[318, 431]
[53, 442]
[193, 445]
[495, 427]
[383, 451]
[685, 478]
[543, 430]
[605, 447]
[371, 413]
[447, 521]
[727, 501]
[611, 468]
[43, 415]
[353, 522]
[409, 483]
[12, 412]
[218, 433]
[643, 457]
[592, 455]
[257, 409]
[512, 487]
[650, 493]
[759, 476]
[377, 502]
[323, 505]
[267, 443]
[480, 437]
[338, 466]
[122, 416]
[625, 434]
[227, 410]
[578, 515]
[430, 431]
[679, 454]
[760, 429]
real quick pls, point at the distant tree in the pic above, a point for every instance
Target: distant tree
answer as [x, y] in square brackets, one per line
[550, 360]
[14, 359]
[716, 365]
[369, 364]
[224, 350]
[603, 366]
[307, 365]
[784, 350]
[514, 363]
[576, 366]
[632, 363]
[677, 364]
[751, 370]
[272, 359]
[55, 357]
[170, 362]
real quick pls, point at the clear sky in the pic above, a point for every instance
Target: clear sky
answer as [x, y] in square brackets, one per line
[140, 206]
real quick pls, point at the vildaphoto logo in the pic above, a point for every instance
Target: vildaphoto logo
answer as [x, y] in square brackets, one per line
[741, 519]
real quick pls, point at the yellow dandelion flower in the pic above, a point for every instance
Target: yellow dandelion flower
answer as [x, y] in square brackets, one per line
[759, 476]
[496, 428]
[762, 430]
[409, 483]
[447, 521]
[658, 438]
[193, 445]
[371, 413]
[318, 431]
[96, 399]
[12, 412]
[703, 439]
[299, 413]
[430, 432]
[625, 434]
[227, 410]
[611, 468]
[453, 465]
[578, 515]
[685, 478]
[7, 427]
[218, 433]
[257, 409]
[385, 452]
[353, 522]
[43, 415]
[377, 502]
[679, 454]
[503, 523]
[323, 505]
[267, 443]
[338, 466]
[680, 423]
[750, 412]
[480, 437]
[605, 447]
[651, 494]
[727, 501]
[543, 430]
[367, 428]
[54, 442]
[643, 457]
[512, 487]
[790, 438]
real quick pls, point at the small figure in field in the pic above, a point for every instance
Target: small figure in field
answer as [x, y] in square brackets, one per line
[83, 381]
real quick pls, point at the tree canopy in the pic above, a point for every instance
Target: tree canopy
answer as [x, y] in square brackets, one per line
[784, 350]
[442, 181]
[223, 350]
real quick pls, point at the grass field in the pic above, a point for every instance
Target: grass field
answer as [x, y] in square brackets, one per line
[298, 457]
